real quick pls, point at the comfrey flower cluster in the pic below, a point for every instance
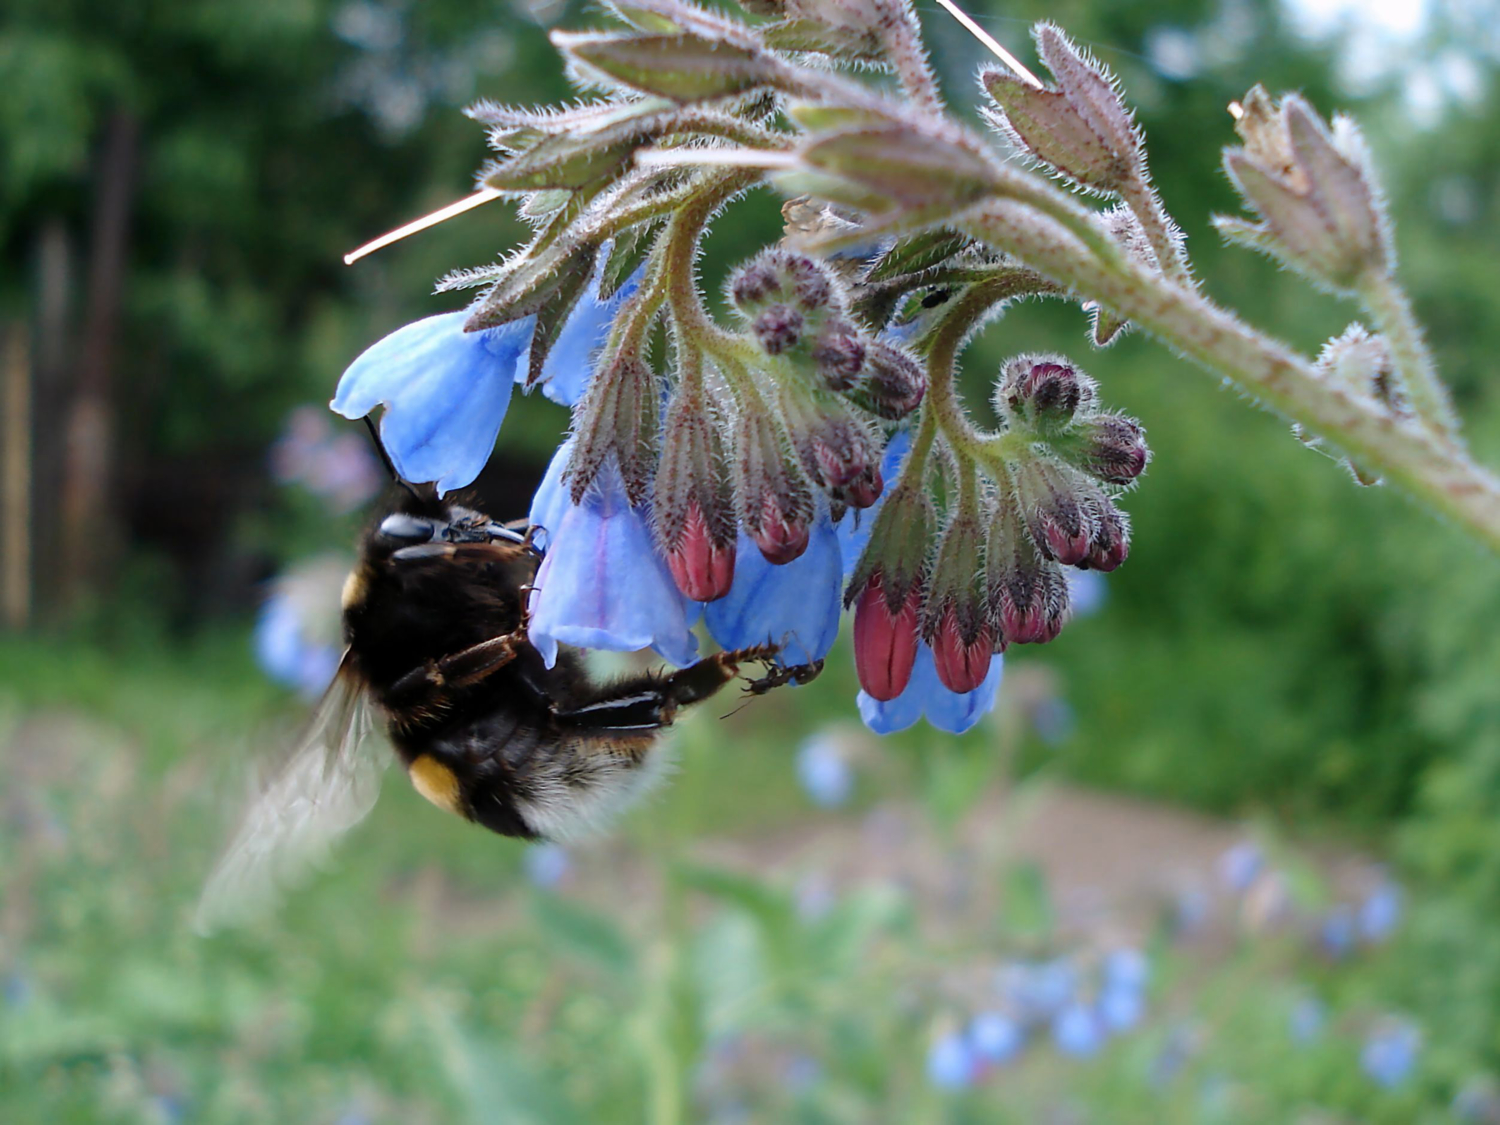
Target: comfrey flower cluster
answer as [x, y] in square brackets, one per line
[1078, 1010]
[814, 454]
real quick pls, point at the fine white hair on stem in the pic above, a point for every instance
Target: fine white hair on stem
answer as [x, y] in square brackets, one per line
[719, 157]
[990, 42]
[441, 215]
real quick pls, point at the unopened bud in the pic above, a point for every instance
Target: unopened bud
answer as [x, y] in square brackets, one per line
[1042, 392]
[1027, 595]
[1362, 361]
[1081, 128]
[1056, 509]
[617, 417]
[838, 451]
[692, 508]
[839, 354]
[885, 638]
[780, 276]
[774, 498]
[778, 328]
[892, 385]
[954, 622]
[1111, 448]
[1111, 543]
[702, 568]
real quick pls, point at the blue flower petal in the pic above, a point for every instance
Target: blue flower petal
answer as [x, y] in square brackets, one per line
[854, 529]
[569, 366]
[602, 584]
[955, 713]
[445, 393]
[897, 714]
[285, 653]
[925, 694]
[552, 501]
[796, 605]
[278, 639]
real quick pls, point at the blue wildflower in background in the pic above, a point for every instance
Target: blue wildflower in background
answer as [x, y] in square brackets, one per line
[1087, 592]
[1038, 991]
[824, 771]
[1390, 1053]
[1078, 1031]
[1306, 1021]
[1239, 866]
[996, 1038]
[1337, 932]
[1121, 1009]
[296, 639]
[951, 1063]
[546, 864]
[1380, 913]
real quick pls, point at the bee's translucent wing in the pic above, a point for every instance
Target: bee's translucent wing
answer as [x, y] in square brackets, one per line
[326, 787]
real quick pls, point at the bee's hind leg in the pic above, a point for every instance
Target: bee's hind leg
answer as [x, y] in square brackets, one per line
[649, 701]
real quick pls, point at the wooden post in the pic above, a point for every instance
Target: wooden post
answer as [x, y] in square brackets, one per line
[15, 480]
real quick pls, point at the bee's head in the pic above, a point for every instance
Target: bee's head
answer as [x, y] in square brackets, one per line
[415, 525]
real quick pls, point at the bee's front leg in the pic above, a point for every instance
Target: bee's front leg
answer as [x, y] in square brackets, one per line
[649, 701]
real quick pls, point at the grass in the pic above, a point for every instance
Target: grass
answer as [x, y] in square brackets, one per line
[679, 974]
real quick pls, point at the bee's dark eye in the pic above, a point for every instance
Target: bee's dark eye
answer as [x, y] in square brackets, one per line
[406, 529]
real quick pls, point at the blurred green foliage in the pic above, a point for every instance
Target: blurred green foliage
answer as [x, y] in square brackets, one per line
[1281, 643]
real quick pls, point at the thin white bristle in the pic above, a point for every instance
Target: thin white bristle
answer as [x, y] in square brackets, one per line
[991, 42]
[442, 214]
[722, 157]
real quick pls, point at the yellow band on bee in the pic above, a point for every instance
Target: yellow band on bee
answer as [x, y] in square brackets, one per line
[437, 783]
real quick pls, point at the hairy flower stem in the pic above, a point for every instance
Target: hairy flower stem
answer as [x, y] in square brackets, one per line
[903, 46]
[1428, 465]
[1161, 230]
[1391, 311]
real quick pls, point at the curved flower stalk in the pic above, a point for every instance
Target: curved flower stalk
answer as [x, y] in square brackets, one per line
[748, 466]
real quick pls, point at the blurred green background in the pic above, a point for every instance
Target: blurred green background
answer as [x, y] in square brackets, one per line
[1288, 699]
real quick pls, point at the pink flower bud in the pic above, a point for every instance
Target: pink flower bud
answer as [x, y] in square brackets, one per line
[1059, 506]
[1111, 545]
[702, 568]
[961, 664]
[885, 639]
[839, 354]
[892, 385]
[1114, 448]
[863, 490]
[775, 500]
[778, 328]
[1027, 594]
[1043, 392]
[692, 508]
[781, 276]
[781, 534]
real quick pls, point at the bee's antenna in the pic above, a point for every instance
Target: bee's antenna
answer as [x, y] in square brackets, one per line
[385, 458]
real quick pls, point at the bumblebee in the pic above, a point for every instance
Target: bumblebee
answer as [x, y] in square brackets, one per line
[437, 656]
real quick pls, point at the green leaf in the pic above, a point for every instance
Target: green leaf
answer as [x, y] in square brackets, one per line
[583, 933]
[685, 68]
